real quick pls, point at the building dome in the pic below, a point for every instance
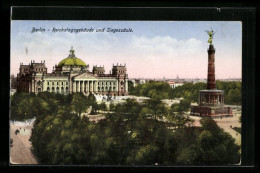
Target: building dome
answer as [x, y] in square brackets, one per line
[71, 60]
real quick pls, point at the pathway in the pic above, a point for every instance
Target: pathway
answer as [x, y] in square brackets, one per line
[20, 152]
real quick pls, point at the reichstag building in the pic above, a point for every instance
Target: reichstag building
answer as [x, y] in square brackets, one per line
[72, 75]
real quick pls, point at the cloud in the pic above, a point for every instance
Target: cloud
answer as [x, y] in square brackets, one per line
[164, 46]
[161, 56]
[53, 47]
[148, 57]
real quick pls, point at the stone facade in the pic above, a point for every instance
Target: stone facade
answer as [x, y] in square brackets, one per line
[72, 75]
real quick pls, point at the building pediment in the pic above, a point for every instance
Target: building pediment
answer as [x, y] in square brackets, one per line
[84, 76]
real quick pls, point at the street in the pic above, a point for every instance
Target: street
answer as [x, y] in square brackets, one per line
[20, 152]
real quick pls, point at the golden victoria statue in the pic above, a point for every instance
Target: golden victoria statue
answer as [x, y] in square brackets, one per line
[210, 33]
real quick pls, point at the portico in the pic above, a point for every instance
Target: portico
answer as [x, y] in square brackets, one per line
[95, 86]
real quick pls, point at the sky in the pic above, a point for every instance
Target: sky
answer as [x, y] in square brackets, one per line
[154, 49]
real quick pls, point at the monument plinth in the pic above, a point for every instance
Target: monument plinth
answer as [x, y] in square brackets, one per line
[211, 100]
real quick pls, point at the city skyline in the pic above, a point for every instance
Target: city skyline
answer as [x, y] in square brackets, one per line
[155, 49]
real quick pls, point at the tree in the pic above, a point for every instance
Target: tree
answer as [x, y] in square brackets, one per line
[233, 96]
[102, 106]
[132, 111]
[79, 103]
[176, 115]
[112, 107]
[91, 101]
[151, 89]
[210, 125]
[23, 106]
[212, 146]
[132, 133]
[146, 155]
[130, 87]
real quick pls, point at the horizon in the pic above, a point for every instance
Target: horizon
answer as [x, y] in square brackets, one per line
[174, 78]
[155, 49]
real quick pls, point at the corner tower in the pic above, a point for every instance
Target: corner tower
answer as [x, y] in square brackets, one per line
[119, 71]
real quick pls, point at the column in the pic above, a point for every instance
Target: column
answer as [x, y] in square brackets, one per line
[117, 85]
[83, 86]
[218, 100]
[92, 86]
[112, 86]
[96, 86]
[74, 87]
[60, 87]
[87, 87]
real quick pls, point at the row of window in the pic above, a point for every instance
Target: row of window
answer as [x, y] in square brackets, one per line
[106, 83]
[40, 69]
[99, 83]
[121, 71]
[53, 83]
[106, 89]
[36, 69]
[57, 89]
[109, 83]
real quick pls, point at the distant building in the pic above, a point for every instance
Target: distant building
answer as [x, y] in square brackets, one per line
[232, 80]
[174, 84]
[199, 80]
[178, 79]
[138, 81]
[71, 75]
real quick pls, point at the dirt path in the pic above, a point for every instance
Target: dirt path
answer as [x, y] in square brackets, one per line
[20, 152]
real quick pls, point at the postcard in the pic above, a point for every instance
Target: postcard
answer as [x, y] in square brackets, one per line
[156, 93]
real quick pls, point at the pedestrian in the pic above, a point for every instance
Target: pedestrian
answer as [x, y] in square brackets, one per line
[17, 131]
